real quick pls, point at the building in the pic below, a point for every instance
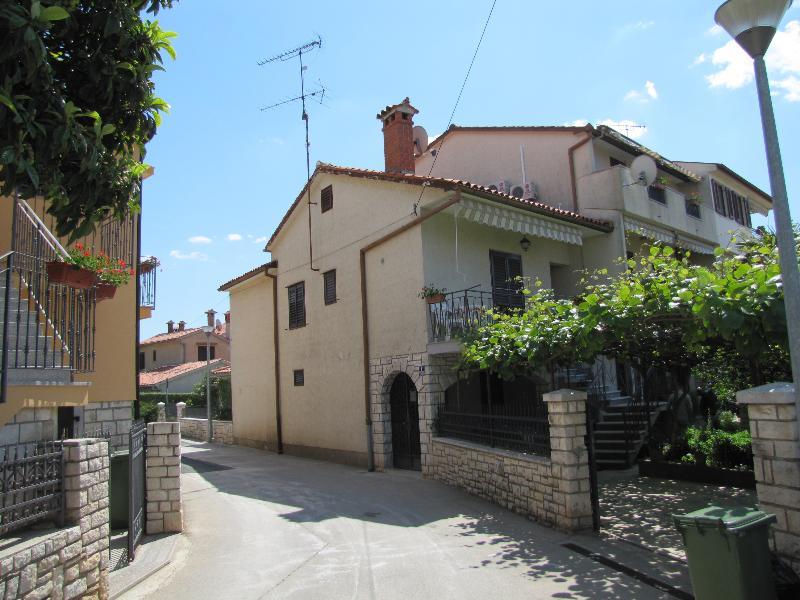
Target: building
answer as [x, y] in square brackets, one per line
[352, 364]
[68, 356]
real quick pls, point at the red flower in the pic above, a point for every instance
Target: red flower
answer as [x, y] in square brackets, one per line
[87, 253]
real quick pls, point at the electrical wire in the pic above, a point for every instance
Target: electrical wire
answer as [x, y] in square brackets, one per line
[458, 100]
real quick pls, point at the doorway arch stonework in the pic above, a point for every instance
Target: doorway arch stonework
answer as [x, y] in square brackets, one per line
[431, 376]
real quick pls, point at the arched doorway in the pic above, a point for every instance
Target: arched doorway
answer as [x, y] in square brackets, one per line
[406, 451]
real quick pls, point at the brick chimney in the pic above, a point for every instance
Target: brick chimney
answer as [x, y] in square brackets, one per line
[210, 314]
[170, 326]
[181, 325]
[227, 317]
[398, 137]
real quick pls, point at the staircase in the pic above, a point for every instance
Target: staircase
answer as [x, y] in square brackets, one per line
[621, 431]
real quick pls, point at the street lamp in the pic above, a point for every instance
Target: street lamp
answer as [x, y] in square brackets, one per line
[753, 23]
[208, 330]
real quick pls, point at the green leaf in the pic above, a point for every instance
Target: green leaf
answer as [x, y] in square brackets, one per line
[6, 101]
[53, 13]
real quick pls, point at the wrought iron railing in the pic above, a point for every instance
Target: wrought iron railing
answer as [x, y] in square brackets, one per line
[513, 421]
[31, 485]
[147, 281]
[459, 313]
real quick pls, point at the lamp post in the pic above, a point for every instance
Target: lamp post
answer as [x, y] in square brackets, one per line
[208, 329]
[753, 23]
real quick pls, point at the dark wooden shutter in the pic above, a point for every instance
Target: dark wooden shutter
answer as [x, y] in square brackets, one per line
[505, 288]
[299, 377]
[297, 305]
[326, 198]
[329, 286]
[213, 352]
[201, 353]
[141, 361]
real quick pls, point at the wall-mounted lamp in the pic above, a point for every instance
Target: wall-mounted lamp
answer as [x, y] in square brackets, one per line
[524, 243]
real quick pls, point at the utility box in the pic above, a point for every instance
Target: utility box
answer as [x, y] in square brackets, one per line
[728, 552]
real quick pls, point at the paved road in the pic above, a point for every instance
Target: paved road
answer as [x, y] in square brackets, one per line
[259, 525]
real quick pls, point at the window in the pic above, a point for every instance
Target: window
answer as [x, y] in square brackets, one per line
[730, 204]
[299, 377]
[506, 288]
[154, 356]
[297, 305]
[201, 353]
[326, 198]
[657, 194]
[693, 209]
[141, 361]
[329, 285]
[616, 161]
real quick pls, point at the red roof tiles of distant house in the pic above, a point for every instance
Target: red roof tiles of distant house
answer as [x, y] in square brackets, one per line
[161, 374]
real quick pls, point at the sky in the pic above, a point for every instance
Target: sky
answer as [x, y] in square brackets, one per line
[226, 171]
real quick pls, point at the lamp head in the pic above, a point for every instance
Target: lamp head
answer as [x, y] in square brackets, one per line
[525, 243]
[752, 23]
[207, 329]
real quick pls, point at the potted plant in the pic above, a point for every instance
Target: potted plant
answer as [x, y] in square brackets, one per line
[660, 182]
[111, 274]
[432, 295]
[147, 264]
[695, 198]
[78, 271]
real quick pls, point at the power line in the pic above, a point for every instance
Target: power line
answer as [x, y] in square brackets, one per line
[458, 99]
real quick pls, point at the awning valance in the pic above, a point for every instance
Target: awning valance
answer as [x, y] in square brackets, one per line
[519, 222]
[660, 234]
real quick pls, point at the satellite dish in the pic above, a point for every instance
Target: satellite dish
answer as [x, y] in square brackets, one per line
[420, 140]
[644, 170]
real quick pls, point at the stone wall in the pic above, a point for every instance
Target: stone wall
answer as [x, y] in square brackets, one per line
[197, 429]
[776, 462]
[29, 425]
[71, 562]
[163, 476]
[432, 375]
[552, 490]
[114, 418]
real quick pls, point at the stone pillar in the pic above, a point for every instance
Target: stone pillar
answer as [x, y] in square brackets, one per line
[566, 413]
[180, 408]
[86, 465]
[164, 513]
[162, 411]
[776, 462]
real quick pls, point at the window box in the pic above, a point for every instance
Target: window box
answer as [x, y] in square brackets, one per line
[105, 291]
[65, 273]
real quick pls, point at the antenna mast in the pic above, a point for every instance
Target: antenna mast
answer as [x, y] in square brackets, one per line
[289, 55]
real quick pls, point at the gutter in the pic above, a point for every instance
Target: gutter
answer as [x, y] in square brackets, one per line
[571, 154]
[365, 310]
[276, 352]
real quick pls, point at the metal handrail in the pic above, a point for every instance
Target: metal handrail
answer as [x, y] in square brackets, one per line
[46, 234]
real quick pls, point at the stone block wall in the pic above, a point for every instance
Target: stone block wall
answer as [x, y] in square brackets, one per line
[163, 476]
[197, 429]
[114, 418]
[71, 562]
[552, 490]
[29, 425]
[776, 462]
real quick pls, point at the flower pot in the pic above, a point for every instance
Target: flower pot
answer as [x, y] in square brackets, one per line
[68, 274]
[105, 291]
[438, 298]
[146, 267]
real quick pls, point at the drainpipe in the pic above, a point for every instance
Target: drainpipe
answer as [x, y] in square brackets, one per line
[277, 366]
[571, 155]
[365, 311]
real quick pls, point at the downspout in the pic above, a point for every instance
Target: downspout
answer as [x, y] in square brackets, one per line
[571, 155]
[365, 311]
[137, 409]
[277, 365]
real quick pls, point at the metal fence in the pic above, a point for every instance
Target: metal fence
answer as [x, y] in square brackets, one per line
[459, 313]
[137, 515]
[482, 408]
[31, 485]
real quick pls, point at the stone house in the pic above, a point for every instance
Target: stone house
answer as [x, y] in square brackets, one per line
[335, 356]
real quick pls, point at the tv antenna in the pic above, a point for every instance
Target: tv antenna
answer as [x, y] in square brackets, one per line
[320, 91]
[627, 127]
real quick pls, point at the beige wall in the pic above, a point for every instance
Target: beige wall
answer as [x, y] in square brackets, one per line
[252, 360]
[182, 350]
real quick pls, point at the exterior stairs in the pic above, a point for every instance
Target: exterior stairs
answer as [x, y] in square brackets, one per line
[611, 449]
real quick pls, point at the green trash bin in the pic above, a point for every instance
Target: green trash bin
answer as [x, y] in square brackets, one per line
[728, 552]
[118, 490]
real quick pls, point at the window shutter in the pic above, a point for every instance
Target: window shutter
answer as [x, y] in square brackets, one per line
[326, 198]
[297, 305]
[299, 377]
[505, 289]
[514, 269]
[329, 285]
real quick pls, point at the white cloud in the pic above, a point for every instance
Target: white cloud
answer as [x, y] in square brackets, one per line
[644, 96]
[714, 30]
[260, 240]
[637, 26]
[234, 237]
[199, 239]
[180, 255]
[703, 57]
[577, 123]
[632, 129]
[735, 68]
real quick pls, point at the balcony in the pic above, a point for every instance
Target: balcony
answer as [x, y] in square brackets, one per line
[460, 313]
[147, 286]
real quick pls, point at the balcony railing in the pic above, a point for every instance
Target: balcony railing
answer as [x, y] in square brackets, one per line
[147, 281]
[459, 313]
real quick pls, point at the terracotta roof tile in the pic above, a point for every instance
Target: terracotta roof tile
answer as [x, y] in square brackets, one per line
[161, 374]
[222, 370]
[164, 337]
[448, 184]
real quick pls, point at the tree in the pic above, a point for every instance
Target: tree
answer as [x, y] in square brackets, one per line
[78, 104]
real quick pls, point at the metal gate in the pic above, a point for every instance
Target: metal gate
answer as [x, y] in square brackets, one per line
[136, 483]
[405, 424]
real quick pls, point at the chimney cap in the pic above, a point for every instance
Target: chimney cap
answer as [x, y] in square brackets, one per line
[170, 326]
[403, 107]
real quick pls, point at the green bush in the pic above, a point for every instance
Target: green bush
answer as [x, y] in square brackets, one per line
[719, 448]
[148, 402]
